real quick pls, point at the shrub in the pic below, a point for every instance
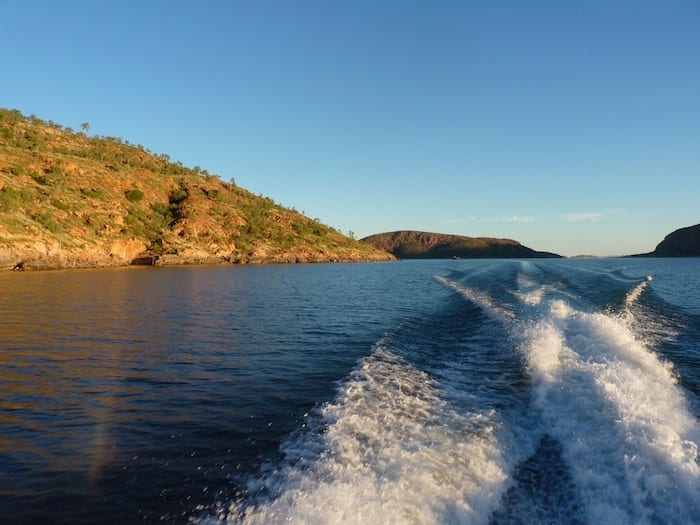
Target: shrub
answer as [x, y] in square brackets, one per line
[19, 170]
[46, 220]
[91, 192]
[145, 225]
[53, 176]
[177, 196]
[8, 199]
[134, 195]
[29, 195]
[160, 208]
[177, 203]
[60, 205]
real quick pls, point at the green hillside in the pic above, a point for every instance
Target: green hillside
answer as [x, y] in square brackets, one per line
[68, 199]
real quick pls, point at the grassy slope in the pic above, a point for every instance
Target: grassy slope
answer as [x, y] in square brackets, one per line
[67, 199]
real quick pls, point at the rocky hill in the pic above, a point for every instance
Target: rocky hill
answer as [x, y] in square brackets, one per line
[684, 242]
[71, 200]
[424, 245]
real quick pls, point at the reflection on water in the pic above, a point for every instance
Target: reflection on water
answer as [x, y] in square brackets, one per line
[152, 394]
[136, 394]
[78, 366]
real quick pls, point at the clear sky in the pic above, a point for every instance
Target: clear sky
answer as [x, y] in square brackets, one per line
[571, 127]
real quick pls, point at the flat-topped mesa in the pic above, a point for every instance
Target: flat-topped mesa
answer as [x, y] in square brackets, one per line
[410, 244]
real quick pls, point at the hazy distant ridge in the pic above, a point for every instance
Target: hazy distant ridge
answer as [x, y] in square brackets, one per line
[409, 244]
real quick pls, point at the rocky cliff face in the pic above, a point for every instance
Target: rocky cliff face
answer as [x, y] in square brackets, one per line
[69, 200]
[410, 244]
[684, 242]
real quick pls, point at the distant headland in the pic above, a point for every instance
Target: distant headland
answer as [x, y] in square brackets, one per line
[683, 242]
[409, 244]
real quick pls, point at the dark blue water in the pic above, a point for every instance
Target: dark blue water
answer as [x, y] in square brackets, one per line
[410, 392]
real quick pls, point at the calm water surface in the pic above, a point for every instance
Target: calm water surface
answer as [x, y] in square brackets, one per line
[410, 392]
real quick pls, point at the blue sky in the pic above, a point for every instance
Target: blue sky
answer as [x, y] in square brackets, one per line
[572, 127]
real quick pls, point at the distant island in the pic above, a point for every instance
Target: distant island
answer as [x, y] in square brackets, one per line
[683, 242]
[409, 244]
[68, 199]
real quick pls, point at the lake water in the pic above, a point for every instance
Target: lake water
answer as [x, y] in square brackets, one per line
[468, 391]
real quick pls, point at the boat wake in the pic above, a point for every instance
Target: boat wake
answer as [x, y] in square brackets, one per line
[624, 427]
[604, 433]
[389, 449]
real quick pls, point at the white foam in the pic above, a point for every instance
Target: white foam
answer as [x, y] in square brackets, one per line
[391, 449]
[532, 293]
[529, 292]
[489, 306]
[623, 422]
[392, 452]
[627, 433]
[545, 354]
[647, 324]
[637, 291]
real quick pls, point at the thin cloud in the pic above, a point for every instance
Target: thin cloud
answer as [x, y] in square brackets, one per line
[513, 219]
[517, 219]
[589, 216]
[462, 220]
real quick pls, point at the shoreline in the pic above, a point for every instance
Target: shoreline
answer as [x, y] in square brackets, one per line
[67, 262]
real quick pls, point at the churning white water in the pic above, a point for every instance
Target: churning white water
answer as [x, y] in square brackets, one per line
[617, 439]
[387, 450]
